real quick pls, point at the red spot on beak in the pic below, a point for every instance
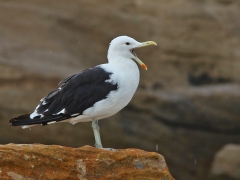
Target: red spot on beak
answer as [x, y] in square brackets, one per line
[144, 66]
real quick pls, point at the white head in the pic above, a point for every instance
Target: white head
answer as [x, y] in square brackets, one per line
[124, 46]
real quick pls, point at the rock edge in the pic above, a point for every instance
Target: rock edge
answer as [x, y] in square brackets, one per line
[37, 161]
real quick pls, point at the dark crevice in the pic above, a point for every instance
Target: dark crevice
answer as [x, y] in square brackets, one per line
[205, 78]
[232, 131]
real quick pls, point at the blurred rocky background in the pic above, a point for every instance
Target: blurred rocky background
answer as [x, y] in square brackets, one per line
[187, 106]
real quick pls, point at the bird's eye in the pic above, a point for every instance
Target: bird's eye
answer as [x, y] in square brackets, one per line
[127, 43]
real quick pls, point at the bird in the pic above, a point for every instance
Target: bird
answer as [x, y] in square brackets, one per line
[93, 94]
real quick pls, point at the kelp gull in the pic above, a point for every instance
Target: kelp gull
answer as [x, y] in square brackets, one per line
[94, 93]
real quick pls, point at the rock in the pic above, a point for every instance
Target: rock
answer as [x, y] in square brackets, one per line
[36, 161]
[75, 35]
[226, 163]
[188, 100]
[197, 120]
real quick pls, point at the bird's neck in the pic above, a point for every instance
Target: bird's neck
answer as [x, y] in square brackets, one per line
[123, 63]
[121, 60]
[125, 73]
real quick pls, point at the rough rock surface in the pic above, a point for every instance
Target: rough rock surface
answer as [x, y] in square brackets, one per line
[226, 164]
[36, 161]
[197, 120]
[154, 118]
[198, 40]
[188, 100]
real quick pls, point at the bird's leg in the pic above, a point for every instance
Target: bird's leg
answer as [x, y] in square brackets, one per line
[96, 128]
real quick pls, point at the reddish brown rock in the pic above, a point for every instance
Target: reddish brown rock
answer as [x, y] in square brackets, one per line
[37, 161]
[190, 96]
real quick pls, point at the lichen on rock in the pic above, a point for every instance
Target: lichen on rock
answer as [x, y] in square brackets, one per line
[37, 161]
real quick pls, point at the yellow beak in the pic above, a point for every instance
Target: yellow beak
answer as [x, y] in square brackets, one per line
[144, 44]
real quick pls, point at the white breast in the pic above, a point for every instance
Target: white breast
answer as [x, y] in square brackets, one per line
[127, 78]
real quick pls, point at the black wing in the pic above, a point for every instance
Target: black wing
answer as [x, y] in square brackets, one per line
[26, 120]
[75, 94]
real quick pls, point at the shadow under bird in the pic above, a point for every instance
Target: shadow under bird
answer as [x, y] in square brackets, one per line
[94, 93]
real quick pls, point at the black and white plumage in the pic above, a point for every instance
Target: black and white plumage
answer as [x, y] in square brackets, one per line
[94, 93]
[74, 95]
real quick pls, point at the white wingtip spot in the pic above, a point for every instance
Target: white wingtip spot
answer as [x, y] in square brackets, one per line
[61, 112]
[52, 122]
[34, 114]
[44, 103]
[27, 126]
[75, 114]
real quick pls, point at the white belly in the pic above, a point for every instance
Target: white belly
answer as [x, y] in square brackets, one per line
[127, 80]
